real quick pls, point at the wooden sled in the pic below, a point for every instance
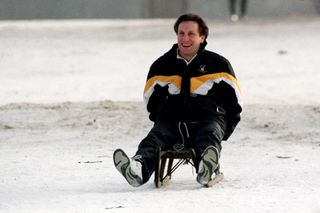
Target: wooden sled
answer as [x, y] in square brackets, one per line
[165, 168]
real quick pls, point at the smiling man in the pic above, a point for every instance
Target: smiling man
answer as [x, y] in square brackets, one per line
[192, 96]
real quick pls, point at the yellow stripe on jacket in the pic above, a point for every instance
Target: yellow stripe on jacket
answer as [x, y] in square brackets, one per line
[173, 82]
[199, 85]
[202, 84]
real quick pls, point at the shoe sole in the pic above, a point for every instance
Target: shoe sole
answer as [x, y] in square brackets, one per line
[122, 163]
[210, 163]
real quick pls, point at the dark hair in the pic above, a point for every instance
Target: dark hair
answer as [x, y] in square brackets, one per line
[203, 27]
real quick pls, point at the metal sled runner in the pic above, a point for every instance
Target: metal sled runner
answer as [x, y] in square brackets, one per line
[165, 167]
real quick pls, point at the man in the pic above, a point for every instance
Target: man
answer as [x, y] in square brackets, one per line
[233, 11]
[192, 96]
[317, 5]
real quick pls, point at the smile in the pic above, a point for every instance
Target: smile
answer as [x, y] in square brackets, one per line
[184, 45]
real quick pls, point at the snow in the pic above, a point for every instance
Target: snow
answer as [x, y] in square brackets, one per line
[71, 93]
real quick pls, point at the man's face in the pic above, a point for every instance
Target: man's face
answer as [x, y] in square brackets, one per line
[189, 39]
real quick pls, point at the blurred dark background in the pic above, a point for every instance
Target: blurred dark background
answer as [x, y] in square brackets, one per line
[127, 9]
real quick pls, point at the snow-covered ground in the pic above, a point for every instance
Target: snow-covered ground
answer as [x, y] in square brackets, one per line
[71, 92]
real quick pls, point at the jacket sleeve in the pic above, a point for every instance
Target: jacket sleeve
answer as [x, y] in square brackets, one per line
[233, 110]
[156, 100]
[231, 94]
[155, 93]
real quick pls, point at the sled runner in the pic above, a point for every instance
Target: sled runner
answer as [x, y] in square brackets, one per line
[165, 167]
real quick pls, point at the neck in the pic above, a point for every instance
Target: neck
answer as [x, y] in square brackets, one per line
[186, 57]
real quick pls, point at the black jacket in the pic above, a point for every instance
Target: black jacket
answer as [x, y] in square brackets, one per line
[204, 89]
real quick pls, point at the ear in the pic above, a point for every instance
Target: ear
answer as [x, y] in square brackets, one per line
[202, 39]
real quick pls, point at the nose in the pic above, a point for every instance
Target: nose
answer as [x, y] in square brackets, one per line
[185, 37]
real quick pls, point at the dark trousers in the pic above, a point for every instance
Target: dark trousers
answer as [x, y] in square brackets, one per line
[243, 7]
[167, 134]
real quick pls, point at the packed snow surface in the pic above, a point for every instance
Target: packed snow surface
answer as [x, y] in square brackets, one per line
[71, 93]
